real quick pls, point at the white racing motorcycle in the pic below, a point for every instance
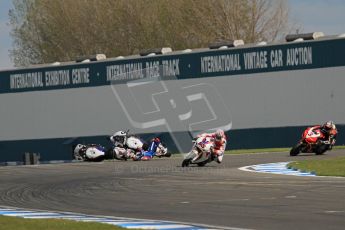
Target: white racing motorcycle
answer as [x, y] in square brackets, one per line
[130, 150]
[162, 151]
[201, 153]
[92, 152]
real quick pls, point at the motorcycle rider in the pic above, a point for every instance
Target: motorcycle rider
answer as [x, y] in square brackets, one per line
[329, 130]
[151, 151]
[219, 140]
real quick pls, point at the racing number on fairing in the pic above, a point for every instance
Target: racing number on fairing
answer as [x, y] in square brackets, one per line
[313, 133]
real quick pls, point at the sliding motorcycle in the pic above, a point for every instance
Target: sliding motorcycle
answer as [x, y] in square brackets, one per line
[91, 152]
[132, 147]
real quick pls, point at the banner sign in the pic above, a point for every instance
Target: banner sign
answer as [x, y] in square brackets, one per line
[208, 63]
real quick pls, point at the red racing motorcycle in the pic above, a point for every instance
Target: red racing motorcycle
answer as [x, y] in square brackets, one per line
[312, 142]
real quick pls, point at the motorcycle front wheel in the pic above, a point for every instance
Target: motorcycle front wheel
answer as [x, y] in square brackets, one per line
[296, 149]
[186, 162]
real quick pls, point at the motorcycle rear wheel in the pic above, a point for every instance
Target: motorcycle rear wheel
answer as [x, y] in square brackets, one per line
[321, 149]
[201, 164]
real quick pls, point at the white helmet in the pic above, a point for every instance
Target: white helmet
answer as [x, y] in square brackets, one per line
[219, 134]
[328, 125]
[120, 137]
[78, 147]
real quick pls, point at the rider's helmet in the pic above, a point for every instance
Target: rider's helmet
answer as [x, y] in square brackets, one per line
[120, 137]
[328, 126]
[77, 148]
[156, 139]
[219, 135]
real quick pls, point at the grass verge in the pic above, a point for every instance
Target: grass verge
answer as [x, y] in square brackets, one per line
[322, 167]
[268, 150]
[18, 223]
[249, 151]
[264, 150]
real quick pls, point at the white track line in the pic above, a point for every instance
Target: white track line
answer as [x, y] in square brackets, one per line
[118, 221]
[275, 168]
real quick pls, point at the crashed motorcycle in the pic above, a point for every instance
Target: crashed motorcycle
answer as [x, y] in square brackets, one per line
[130, 149]
[134, 149]
[201, 152]
[91, 152]
[312, 141]
[162, 151]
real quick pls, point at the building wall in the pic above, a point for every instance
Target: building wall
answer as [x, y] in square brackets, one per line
[265, 105]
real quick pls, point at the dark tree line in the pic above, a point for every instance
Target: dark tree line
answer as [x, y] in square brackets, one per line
[46, 31]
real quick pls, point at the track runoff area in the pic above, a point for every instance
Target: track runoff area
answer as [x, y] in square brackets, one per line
[160, 194]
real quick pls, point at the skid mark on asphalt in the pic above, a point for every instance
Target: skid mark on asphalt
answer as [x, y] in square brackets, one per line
[275, 168]
[334, 212]
[213, 201]
[118, 221]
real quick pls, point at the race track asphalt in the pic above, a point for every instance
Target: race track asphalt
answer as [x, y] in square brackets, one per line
[160, 189]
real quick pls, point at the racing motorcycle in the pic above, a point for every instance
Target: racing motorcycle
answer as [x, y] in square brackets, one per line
[162, 151]
[312, 141]
[91, 152]
[130, 149]
[201, 152]
[133, 148]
